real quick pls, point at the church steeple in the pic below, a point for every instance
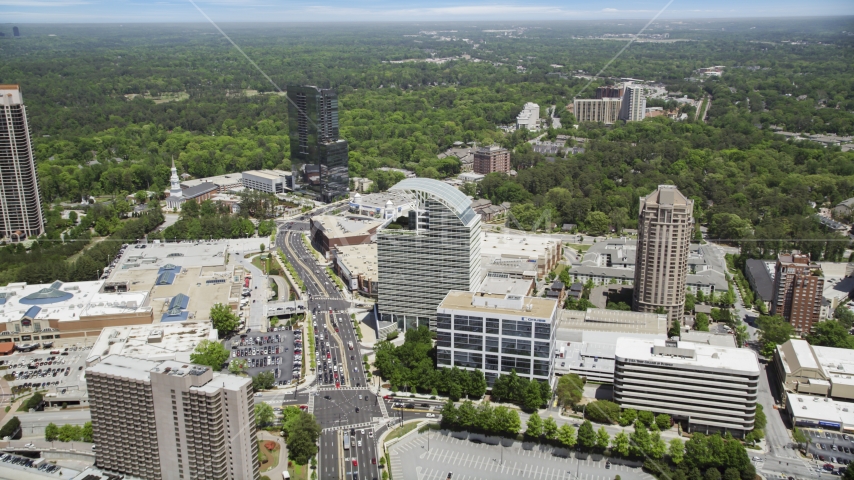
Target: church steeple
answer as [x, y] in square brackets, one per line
[175, 189]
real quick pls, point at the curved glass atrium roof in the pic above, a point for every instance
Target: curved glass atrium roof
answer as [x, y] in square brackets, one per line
[45, 296]
[454, 199]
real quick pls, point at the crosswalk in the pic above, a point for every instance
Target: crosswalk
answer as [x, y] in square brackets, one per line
[348, 427]
[311, 403]
[332, 389]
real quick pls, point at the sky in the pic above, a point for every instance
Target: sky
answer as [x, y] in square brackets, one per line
[132, 11]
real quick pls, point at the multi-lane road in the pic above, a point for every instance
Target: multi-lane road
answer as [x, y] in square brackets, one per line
[343, 404]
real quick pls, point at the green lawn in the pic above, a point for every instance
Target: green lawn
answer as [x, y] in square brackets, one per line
[401, 431]
[579, 248]
[299, 472]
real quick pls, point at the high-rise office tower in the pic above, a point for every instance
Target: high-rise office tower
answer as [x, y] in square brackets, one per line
[318, 157]
[426, 254]
[20, 203]
[172, 420]
[634, 104]
[798, 291]
[16, 32]
[665, 227]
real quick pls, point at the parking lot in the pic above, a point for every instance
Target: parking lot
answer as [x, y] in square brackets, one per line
[278, 351]
[14, 462]
[830, 447]
[58, 371]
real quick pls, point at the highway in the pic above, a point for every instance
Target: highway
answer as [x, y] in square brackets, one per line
[343, 404]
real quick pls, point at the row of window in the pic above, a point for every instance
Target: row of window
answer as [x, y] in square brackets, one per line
[511, 328]
[522, 366]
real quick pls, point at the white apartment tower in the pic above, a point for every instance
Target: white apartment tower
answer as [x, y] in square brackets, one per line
[634, 103]
[712, 388]
[20, 202]
[529, 117]
[422, 256]
[665, 227]
[497, 334]
[600, 110]
[172, 420]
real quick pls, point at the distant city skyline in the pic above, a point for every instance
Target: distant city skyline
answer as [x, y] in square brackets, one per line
[135, 11]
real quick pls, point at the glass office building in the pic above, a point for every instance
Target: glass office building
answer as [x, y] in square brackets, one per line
[422, 256]
[319, 158]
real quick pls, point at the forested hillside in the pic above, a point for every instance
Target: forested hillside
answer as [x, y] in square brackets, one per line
[110, 107]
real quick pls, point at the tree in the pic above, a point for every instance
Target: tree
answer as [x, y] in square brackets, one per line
[849, 474]
[289, 413]
[676, 450]
[712, 474]
[602, 438]
[485, 418]
[775, 330]
[569, 389]
[263, 414]
[550, 428]
[701, 322]
[640, 440]
[628, 416]
[759, 419]
[620, 444]
[87, 434]
[72, 216]
[467, 415]
[675, 328]
[238, 365]
[534, 426]
[566, 435]
[602, 411]
[531, 400]
[141, 197]
[598, 223]
[263, 381]
[190, 209]
[663, 421]
[799, 436]
[842, 314]
[11, 428]
[477, 384]
[51, 432]
[263, 247]
[449, 413]
[731, 474]
[646, 418]
[657, 447]
[507, 421]
[831, 333]
[302, 433]
[210, 353]
[223, 319]
[586, 436]
[70, 433]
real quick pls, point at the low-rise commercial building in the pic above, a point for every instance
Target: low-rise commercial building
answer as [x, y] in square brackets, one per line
[270, 181]
[533, 253]
[823, 413]
[223, 183]
[162, 341]
[710, 388]
[376, 205]
[171, 420]
[586, 341]
[357, 266]
[497, 334]
[812, 370]
[328, 231]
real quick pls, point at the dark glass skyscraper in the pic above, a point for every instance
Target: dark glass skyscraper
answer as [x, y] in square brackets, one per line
[319, 158]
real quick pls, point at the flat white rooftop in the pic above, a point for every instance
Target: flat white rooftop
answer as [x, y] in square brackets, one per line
[616, 321]
[705, 357]
[345, 226]
[804, 353]
[65, 301]
[359, 259]
[163, 341]
[484, 303]
[531, 246]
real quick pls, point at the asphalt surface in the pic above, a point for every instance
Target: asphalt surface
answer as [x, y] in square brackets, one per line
[279, 358]
[337, 413]
[822, 445]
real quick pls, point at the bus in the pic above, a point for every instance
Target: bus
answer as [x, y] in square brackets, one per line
[346, 441]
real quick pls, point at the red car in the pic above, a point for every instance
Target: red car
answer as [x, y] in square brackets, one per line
[355, 463]
[328, 355]
[337, 385]
[374, 460]
[387, 397]
[303, 407]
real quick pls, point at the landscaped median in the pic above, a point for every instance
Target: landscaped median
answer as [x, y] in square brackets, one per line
[293, 272]
[309, 328]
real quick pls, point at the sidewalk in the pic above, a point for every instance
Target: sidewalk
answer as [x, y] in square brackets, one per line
[275, 472]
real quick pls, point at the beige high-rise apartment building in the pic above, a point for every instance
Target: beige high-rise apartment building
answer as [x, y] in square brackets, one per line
[172, 420]
[603, 110]
[20, 204]
[665, 227]
[798, 291]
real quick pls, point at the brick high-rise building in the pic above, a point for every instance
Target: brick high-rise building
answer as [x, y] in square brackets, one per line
[20, 204]
[172, 420]
[665, 227]
[491, 159]
[798, 287]
[609, 91]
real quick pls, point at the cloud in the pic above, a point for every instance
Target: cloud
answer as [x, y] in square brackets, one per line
[609, 10]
